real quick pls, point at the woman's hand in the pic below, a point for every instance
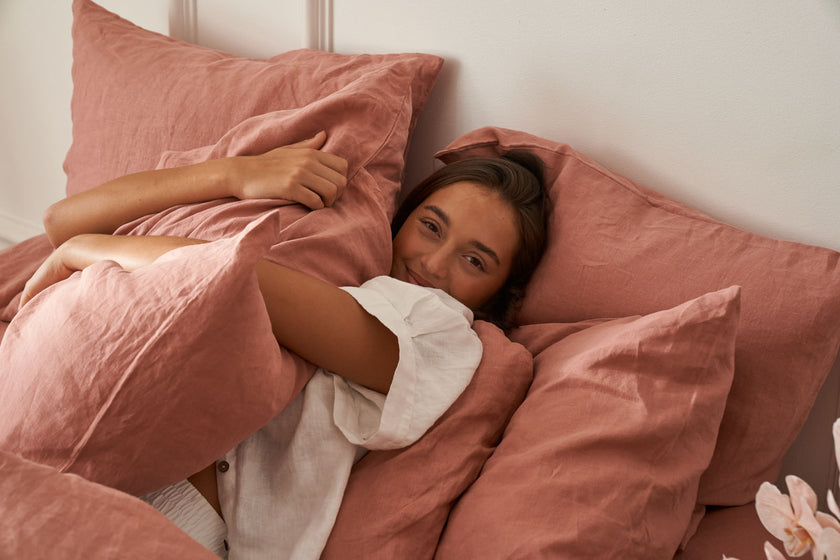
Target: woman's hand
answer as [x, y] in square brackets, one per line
[298, 172]
[51, 271]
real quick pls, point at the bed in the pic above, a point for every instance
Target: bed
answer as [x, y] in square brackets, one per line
[664, 364]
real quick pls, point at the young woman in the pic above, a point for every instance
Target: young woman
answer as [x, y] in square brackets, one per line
[393, 354]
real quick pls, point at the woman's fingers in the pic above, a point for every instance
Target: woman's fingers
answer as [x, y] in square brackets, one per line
[328, 182]
[316, 142]
[313, 190]
[296, 172]
[314, 145]
[50, 272]
[334, 162]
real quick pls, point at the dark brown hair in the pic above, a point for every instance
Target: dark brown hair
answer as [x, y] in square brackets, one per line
[517, 177]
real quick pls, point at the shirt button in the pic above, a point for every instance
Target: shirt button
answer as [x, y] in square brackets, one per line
[223, 466]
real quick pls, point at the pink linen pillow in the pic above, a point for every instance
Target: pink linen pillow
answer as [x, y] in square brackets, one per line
[345, 244]
[368, 105]
[404, 496]
[47, 515]
[137, 93]
[614, 248]
[182, 96]
[604, 456]
[734, 532]
[137, 380]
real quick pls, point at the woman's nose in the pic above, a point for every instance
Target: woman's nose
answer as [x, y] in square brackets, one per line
[435, 263]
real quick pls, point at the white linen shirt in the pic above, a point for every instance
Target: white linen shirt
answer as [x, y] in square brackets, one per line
[282, 487]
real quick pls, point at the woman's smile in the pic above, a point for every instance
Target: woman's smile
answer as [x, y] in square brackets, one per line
[462, 239]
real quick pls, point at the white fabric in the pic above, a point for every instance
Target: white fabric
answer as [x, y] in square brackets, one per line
[282, 491]
[187, 508]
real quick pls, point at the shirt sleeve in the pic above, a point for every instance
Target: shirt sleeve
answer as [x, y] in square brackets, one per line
[438, 354]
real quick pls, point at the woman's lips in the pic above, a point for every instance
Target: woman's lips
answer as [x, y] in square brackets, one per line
[416, 279]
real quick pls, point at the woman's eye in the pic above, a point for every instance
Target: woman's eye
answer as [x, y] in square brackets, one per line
[476, 262]
[431, 226]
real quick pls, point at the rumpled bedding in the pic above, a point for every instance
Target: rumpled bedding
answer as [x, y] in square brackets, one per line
[18, 263]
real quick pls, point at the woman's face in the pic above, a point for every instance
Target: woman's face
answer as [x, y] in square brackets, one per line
[461, 239]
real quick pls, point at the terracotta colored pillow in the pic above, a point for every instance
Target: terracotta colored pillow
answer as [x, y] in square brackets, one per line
[734, 532]
[367, 104]
[345, 244]
[137, 380]
[64, 516]
[603, 458]
[396, 502]
[619, 249]
[137, 93]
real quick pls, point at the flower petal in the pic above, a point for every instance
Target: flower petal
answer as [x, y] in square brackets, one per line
[808, 520]
[832, 505]
[772, 553]
[774, 510]
[798, 542]
[809, 530]
[800, 493]
[827, 522]
[830, 544]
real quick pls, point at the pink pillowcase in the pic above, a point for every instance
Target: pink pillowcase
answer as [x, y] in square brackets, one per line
[397, 502]
[165, 94]
[345, 244]
[604, 456]
[734, 532]
[137, 380]
[57, 515]
[137, 93]
[619, 249]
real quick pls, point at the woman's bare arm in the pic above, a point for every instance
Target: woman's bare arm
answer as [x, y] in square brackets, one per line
[314, 319]
[328, 327]
[299, 172]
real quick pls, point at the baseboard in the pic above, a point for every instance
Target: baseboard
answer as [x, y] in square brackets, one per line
[14, 230]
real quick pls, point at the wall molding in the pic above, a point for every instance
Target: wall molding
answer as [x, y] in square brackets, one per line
[183, 20]
[318, 25]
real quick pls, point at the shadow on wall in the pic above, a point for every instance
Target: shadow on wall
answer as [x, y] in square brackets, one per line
[437, 126]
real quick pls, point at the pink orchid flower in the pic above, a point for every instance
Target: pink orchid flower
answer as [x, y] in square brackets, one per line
[829, 539]
[772, 553]
[792, 519]
[795, 520]
[829, 543]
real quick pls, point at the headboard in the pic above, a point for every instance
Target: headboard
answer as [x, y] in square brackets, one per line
[730, 108]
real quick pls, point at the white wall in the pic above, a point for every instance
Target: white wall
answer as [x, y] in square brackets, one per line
[35, 62]
[728, 106]
[35, 128]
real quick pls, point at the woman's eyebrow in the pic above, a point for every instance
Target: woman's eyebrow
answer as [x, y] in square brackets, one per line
[440, 213]
[475, 243]
[485, 249]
